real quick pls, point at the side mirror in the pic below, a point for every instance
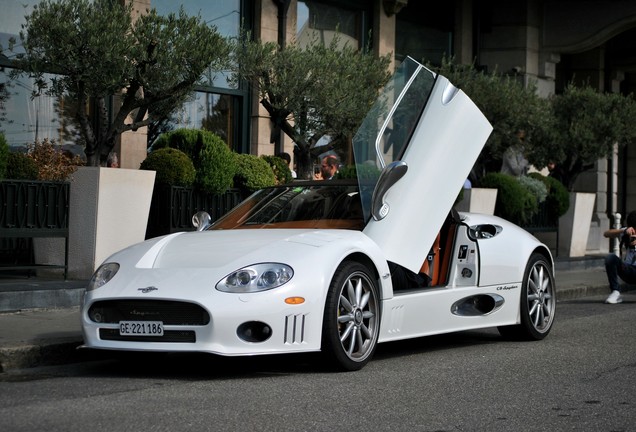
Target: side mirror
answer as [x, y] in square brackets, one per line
[201, 220]
[389, 176]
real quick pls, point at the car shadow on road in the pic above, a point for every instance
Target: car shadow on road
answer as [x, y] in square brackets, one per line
[203, 366]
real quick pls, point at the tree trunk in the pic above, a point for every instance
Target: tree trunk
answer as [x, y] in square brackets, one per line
[304, 167]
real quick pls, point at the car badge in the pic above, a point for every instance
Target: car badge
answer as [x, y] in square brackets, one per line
[147, 289]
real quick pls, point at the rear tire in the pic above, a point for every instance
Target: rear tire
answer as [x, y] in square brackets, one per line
[538, 302]
[352, 317]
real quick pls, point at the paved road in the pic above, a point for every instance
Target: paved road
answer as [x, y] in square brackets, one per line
[582, 377]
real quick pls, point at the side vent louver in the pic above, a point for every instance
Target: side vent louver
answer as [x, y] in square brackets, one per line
[294, 329]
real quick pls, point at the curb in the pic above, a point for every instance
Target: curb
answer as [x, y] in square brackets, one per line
[582, 291]
[48, 353]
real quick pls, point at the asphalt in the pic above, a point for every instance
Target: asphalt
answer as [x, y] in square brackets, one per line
[40, 317]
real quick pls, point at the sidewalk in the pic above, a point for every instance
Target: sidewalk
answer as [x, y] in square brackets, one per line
[48, 336]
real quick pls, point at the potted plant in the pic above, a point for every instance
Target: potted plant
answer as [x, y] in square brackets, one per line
[586, 127]
[148, 64]
[514, 201]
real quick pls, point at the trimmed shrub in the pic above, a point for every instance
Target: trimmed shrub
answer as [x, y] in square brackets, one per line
[535, 186]
[21, 167]
[4, 156]
[252, 173]
[213, 160]
[558, 200]
[173, 167]
[514, 202]
[181, 139]
[351, 172]
[280, 168]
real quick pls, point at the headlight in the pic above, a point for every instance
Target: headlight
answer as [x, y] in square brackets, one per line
[102, 275]
[258, 277]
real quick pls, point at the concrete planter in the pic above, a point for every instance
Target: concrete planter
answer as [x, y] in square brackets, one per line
[574, 226]
[478, 200]
[109, 211]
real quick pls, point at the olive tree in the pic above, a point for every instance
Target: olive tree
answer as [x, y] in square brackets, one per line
[312, 91]
[97, 49]
[509, 105]
[586, 126]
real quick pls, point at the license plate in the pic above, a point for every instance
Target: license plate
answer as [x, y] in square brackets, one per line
[140, 328]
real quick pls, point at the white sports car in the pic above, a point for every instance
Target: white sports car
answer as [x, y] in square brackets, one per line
[339, 266]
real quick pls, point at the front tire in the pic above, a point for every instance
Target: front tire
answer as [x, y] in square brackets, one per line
[538, 302]
[352, 317]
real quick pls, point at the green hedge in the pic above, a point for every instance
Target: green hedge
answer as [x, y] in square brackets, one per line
[280, 168]
[351, 172]
[514, 201]
[213, 160]
[173, 167]
[252, 173]
[558, 200]
[21, 167]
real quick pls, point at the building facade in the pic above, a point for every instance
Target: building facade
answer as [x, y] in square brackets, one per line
[549, 42]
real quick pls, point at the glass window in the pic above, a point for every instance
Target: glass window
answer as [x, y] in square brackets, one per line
[216, 106]
[210, 111]
[320, 21]
[24, 119]
[387, 129]
[13, 13]
[225, 15]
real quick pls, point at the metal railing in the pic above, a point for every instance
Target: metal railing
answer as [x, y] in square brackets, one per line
[172, 208]
[30, 209]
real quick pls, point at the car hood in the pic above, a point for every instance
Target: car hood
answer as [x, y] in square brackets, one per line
[217, 248]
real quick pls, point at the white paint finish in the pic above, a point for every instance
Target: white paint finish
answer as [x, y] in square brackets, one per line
[441, 153]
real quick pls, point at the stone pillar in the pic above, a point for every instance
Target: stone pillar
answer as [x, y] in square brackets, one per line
[547, 74]
[131, 147]
[384, 33]
[511, 45]
[600, 220]
[266, 30]
[463, 40]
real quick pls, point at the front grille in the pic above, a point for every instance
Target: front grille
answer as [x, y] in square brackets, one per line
[179, 336]
[167, 311]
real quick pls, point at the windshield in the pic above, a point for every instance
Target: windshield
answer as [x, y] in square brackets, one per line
[332, 204]
[387, 129]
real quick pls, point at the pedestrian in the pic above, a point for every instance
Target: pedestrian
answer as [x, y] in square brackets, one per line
[514, 160]
[287, 158]
[625, 268]
[329, 167]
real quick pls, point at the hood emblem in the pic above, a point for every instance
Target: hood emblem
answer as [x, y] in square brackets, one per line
[147, 289]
